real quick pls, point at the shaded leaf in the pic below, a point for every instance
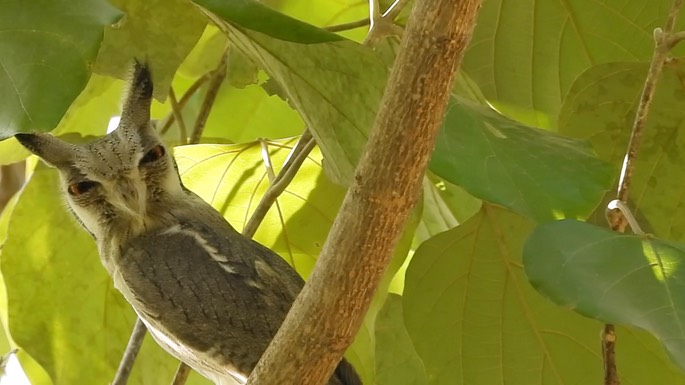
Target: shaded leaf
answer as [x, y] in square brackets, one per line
[47, 49]
[474, 318]
[254, 15]
[536, 173]
[151, 33]
[526, 54]
[396, 359]
[600, 107]
[617, 278]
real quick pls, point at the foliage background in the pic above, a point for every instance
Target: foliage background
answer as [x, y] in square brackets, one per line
[456, 306]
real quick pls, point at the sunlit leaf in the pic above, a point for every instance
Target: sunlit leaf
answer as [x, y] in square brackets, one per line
[74, 323]
[526, 54]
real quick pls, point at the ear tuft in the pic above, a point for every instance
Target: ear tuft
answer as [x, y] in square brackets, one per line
[136, 110]
[53, 151]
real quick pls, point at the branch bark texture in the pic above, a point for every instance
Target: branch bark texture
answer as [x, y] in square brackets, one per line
[328, 313]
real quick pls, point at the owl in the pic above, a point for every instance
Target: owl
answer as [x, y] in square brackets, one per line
[209, 296]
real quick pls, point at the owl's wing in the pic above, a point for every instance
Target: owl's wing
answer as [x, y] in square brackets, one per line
[216, 293]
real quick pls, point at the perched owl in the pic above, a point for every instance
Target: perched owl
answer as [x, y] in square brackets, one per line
[209, 296]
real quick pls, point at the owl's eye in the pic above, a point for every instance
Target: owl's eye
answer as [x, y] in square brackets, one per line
[76, 189]
[153, 155]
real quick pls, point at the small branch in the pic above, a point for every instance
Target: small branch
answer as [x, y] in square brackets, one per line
[178, 115]
[348, 26]
[285, 176]
[217, 78]
[182, 103]
[664, 41]
[382, 194]
[181, 375]
[132, 349]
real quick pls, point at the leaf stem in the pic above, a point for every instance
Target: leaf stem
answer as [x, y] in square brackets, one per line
[348, 26]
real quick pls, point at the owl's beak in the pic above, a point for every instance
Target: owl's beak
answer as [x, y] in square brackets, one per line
[131, 197]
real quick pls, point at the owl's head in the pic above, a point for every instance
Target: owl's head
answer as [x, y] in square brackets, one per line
[120, 181]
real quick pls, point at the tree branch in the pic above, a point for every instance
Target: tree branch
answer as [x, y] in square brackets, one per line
[130, 354]
[327, 314]
[664, 41]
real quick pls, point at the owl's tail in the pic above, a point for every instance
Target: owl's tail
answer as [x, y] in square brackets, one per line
[345, 374]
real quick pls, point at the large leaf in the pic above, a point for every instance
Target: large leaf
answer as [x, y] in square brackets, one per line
[533, 172]
[526, 54]
[47, 48]
[74, 323]
[474, 318]
[601, 107]
[617, 278]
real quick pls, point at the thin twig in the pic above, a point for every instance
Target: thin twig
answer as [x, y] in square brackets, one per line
[285, 176]
[132, 349]
[394, 9]
[169, 120]
[347, 26]
[176, 111]
[665, 40]
[217, 79]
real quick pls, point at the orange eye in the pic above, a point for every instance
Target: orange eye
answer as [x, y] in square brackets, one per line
[76, 189]
[153, 155]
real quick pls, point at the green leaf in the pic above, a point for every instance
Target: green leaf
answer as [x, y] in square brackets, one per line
[536, 173]
[600, 108]
[255, 16]
[151, 33]
[47, 49]
[526, 54]
[474, 318]
[396, 359]
[617, 278]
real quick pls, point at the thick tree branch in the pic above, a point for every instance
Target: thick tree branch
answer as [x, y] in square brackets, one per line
[327, 314]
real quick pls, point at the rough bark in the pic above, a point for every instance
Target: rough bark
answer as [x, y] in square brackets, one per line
[329, 311]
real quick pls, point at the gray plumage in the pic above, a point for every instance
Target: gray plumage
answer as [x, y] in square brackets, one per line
[209, 296]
